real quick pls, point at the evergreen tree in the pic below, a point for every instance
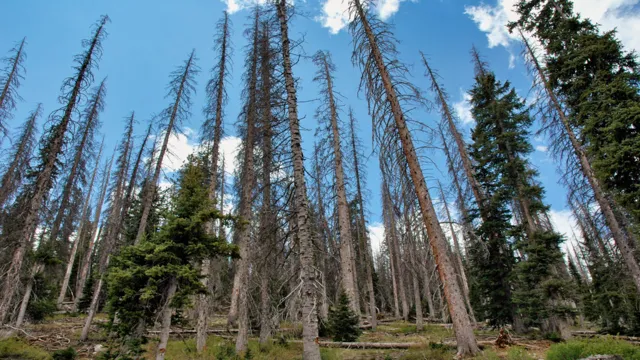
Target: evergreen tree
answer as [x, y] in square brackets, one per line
[598, 83]
[12, 74]
[158, 275]
[343, 322]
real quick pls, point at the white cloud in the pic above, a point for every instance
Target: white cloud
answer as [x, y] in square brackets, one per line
[542, 148]
[564, 223]
[179, 149]
[463, 108]
[512, 61]
[334, 15]
[610, 14]
[376, 236]
[234, 6]
[229, 146]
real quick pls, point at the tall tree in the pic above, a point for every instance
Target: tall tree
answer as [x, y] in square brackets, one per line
[212, 129]
[239, 308]
[364, 238]
[181, 85]
[382, 78]
[327, 114]
[19, 158]
[311, 350]
[12, 74]
[42, 177]
[598, 83]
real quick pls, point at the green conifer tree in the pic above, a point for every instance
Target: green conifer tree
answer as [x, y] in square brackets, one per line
[343, 322]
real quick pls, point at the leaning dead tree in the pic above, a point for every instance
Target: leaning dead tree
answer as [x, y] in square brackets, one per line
[212, 129]
[311, 350]
[46, 171]
[181, 86]
[382, 78]
[12, 74]
[18, 158]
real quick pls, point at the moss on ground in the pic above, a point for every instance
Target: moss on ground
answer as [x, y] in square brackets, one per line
[14, 348]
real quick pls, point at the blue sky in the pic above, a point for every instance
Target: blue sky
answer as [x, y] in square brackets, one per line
[149, 38]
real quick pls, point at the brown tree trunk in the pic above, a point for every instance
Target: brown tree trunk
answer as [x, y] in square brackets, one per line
[311, 350]
[390, 236]
[27, 295]
[44, 180]
[461, 324]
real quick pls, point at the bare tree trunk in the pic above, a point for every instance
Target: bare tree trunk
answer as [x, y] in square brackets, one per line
[414, 270]
[311, 350]
[44, 181]
[347, 261]
[86, 262]
[7, 101]
[79, 233]
[390, 236]
[457, 254]
[165, 328]
[241, 276]
[27, 295]
[622, 237]
[462, 326]
[93, 308]
[151, 190]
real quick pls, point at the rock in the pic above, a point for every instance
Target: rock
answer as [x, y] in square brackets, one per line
[603, 357]
[99, 348]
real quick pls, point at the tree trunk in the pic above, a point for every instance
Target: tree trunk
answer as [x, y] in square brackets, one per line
[44, 180]
[461, 323]
[80, 232]
[390, 228]
[93, 308]
[86, 262]
[311, 350]
[166, 319]
[27, 295]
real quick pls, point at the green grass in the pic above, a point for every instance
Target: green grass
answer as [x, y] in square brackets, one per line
[578, 349]
[14, 348]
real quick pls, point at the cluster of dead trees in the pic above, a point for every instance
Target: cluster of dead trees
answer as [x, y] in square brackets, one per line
[302, 234]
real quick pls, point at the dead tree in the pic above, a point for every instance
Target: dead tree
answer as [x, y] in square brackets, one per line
[18, 158]
[46, 171]
[381, 79]
[212, 130]
[12, 74]
[181, 86]
[311, 350]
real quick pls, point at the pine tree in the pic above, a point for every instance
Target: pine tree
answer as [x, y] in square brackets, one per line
[327, 115]
[382, 80]
[501, 146]
[598, 83]
[181, 86]
[311, 350]
[158, 275]
[51, 145]
[343, 322]
[12, 74]
[19, 158]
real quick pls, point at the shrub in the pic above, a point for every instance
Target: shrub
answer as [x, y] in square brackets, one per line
[578, 349]
[343, 322]
[65, 354]
[13, 348]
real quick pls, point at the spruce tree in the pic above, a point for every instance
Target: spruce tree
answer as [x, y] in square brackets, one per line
[158, 275]
[343, 322]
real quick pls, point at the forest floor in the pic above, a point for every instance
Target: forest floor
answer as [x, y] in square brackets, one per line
[39, 341]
